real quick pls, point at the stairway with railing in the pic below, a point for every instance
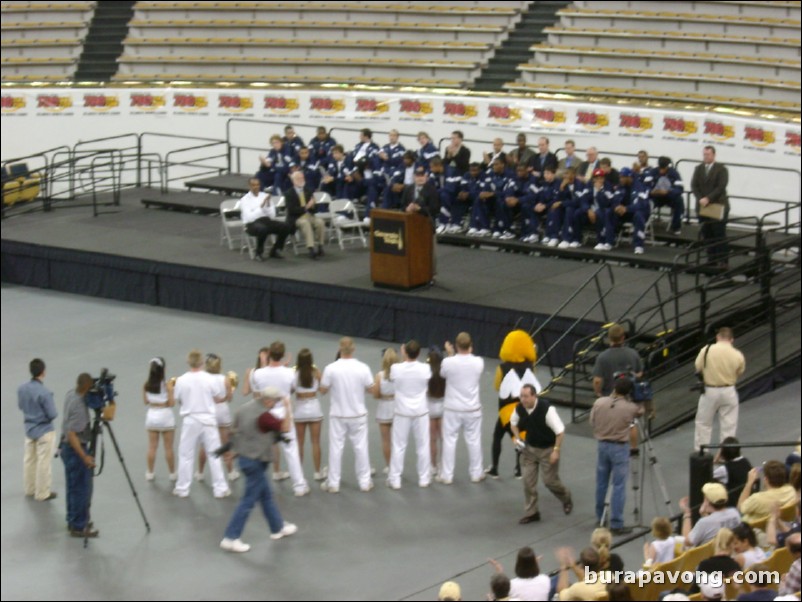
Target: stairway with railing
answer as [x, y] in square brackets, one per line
[680, 311]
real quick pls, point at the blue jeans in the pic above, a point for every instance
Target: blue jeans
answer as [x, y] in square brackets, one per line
[257, 489]
[79, 488]
[613, 459]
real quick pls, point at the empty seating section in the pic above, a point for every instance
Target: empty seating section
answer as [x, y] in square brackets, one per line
[399, 43]
[43, 40]
[735, 53]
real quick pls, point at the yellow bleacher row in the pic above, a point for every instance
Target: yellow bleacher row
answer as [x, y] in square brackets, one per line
[768, 61]
[34, 25]
[23, 43]
[261, 23]
[617, 71]
[306, 79]
[204, 41]
[673, 17]
[328, 6]
[612, 93]
[675, 35]
[41, 6]
[233, 60]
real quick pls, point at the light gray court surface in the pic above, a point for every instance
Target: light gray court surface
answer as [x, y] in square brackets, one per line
[383, 545]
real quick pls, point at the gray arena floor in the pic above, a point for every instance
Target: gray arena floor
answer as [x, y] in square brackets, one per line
[383, 545]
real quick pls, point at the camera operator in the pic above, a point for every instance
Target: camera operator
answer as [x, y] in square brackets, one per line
[78, 464]
[612, 420]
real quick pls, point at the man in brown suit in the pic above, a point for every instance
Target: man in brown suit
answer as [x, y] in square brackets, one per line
[709, 186]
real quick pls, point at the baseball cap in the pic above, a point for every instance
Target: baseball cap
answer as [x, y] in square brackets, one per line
[598, 173]
[450, 590]
[625, 172]
[714, 492]
[267, 423]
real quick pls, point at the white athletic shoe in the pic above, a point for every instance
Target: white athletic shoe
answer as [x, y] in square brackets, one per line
[302, 492]
[479, 479]
[440, 229]
[546, 241]
[575, 245]
[564, 245]
[496, 234]
[473, 232]
[281, 476]
[199, 477]
[602, 247]
[553, 242]
[483, 232]
[149, 476]
[386, 470]
[324, 486]
[443, 481]
[287, 530]
[366, 488]
[226, 493]
[639, 251]
[507, 235]
[234, 545]
[233, 475]
[173, 476]
[321, 476]
[393, 486]
[366, 221]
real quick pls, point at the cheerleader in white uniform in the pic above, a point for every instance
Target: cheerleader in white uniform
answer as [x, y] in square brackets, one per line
[214, 366]
[308, 413]
[159, 419]
[384, 391]
[437, 391]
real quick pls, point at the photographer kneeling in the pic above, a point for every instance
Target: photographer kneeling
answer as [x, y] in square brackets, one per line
[612, 418]
[78, 463]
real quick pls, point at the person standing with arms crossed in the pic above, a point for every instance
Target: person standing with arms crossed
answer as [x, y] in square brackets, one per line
[39, 410]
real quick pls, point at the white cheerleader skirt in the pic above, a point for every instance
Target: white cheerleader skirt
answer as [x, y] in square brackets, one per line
[435, 408]
[223, 413]
[308, 410]
[385, 411]
[160, 419]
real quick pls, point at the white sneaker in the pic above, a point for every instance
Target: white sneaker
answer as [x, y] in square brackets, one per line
[473, 232]
[199, 477]
[553, 242]
[484, 232]
[386, 470]
[234, 545]
[149, 476]
[322, 475]
[233, 475]
[443, 481]
[324, 486]
[639, 251]
[440, 229]
[366, 221]
[564, 245]
[454, 229]
[479, 479]
[532, 238]
[372, 471]
[424, 484]
[546, 241]
[496, 235]
[226, 493]
[176, 493]
[507, 235]
[600, 247]
[302, 492]
[575, 245]
[608, 246]
[173, 476]
[287, 530]
[393, 486]
[281, 476]
[368, 487]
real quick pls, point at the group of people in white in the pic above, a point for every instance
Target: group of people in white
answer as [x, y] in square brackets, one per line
[429, 400]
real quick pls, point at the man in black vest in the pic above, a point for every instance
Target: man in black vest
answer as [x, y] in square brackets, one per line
[538, 432]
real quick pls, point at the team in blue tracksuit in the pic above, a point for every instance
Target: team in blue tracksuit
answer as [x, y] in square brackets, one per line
[631, 204]
[597, 207]
[426, 152]
[292, 140]
[320, 147]
[545, 196]
[338, 179]
[492, 193]
[310, 167]
[274, 172]
[385, 162]
[403, 175]
[364, 159]
[446, 181]
[562, 213]
[667, 189]
[467, 195]
[517, 202]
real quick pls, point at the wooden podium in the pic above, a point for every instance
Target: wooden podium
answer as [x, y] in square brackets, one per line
[400, 249]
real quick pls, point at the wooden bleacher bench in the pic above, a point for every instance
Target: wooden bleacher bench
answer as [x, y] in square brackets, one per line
[739, 39]
[34, 25]
[27, 42]
[673, 17]
[327, 6]
[259, 23]
[219, 41]
[314, 79]
[24, 7]
[226, 60]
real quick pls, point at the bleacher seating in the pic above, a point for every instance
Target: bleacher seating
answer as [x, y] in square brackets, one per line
[403, 43]
[42, 40]
[647, 50]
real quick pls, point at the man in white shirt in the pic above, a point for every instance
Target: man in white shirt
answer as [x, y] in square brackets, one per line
[538, 432]
[462, 408]
[348, 380]
[277, 374]
[259, 217]
[411, 379]
[196, 392]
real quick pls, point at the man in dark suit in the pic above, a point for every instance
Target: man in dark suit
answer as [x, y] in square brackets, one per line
[300, 203]
[709, 186]
[543, 159]
[422, 197]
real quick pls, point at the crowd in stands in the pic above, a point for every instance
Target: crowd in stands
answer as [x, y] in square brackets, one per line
[521, 193]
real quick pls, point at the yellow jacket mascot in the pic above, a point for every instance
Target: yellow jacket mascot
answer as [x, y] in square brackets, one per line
[518, 355]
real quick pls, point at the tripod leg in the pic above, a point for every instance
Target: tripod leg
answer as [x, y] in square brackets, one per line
[127, 476]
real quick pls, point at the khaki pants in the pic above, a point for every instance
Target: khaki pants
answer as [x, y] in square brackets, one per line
[532, 459]
[313, 228]
[37, 470]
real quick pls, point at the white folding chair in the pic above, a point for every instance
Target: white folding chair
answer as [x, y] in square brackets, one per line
[323, 198]
[346, 219]
[231, 224]
[627, 231]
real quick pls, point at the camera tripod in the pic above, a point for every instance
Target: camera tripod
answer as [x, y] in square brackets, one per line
[638, 465]
[98, 425]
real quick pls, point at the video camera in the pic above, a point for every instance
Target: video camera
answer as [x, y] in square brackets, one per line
[102, 391]
[641, 388]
